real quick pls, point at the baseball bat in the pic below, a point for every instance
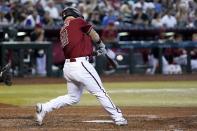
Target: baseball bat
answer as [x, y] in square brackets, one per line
[110, 60]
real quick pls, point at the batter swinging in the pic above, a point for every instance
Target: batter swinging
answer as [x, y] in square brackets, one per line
[76, 40]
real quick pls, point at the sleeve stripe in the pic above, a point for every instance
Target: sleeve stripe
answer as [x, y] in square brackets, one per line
[88, 32]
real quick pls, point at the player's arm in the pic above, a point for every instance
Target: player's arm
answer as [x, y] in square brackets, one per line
[100, 46]
[88, 29]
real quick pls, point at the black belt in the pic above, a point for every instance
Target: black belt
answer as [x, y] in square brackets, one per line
[77, 59]
[72, 60]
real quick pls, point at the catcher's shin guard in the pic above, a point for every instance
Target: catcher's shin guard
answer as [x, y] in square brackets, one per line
[5, 75]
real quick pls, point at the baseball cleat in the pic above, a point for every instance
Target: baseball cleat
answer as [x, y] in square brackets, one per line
[121, 122]
[40, 114]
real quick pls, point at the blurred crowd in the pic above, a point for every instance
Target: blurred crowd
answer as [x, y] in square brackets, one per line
[140, 13]
[110, 14]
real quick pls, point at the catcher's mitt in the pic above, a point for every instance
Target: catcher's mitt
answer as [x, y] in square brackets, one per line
[5, 75]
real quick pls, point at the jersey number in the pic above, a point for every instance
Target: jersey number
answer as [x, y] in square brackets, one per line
[64, 38]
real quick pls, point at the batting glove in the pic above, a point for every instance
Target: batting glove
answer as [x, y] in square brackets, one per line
[100, 49]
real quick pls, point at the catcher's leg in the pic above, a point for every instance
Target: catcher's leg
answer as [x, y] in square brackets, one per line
[1, 79]
[94, 85]
[5, 75]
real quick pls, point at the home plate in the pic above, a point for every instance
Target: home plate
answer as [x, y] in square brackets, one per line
[99, 121]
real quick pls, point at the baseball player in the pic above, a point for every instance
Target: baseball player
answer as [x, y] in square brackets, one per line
[76, 38]
[5, 75]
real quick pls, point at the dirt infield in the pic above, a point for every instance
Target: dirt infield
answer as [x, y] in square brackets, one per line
[71, 119]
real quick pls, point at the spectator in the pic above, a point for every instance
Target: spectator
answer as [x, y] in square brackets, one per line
[61, 4]
[169, 20]
[20, 10]
[140, 18]
[38, 33]
[126, 12]
[3, 20]
[110, 33]
[156, 21]
[38, 36]
[158, 6]
[47, 20]
[110, 17]
[83, 9]
[176, 4]
[150, 13]
[5, 15]
[19, 13]
[32, 19]
[142, 4]
[126, 9]
[194, 37]
[53, 11]
[167, 5]
[194, 20]
[39, 7]
[95, 18]
[182, 17]
[102, 9]
[115, 4]
[192, 5]
[34, 2]
[89, 6]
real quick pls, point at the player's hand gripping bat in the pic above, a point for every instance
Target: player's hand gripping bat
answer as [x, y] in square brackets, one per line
[109, 59]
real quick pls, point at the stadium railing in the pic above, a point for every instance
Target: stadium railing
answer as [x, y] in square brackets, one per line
[19, 46]
[132, 45]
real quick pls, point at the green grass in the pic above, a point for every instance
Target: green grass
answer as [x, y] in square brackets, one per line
[180, 94]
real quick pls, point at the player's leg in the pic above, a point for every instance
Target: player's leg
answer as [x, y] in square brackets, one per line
[94, 85]
[72, 97]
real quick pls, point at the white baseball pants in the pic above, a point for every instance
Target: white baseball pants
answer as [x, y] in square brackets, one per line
[79, 75]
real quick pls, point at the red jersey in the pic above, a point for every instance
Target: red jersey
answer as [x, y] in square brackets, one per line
[74, 39]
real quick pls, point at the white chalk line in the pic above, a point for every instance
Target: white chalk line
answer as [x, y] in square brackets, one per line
[99, 121]
[110, 121]
[139, 116]
[145, 116]
[150, 117]
[166, 90]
